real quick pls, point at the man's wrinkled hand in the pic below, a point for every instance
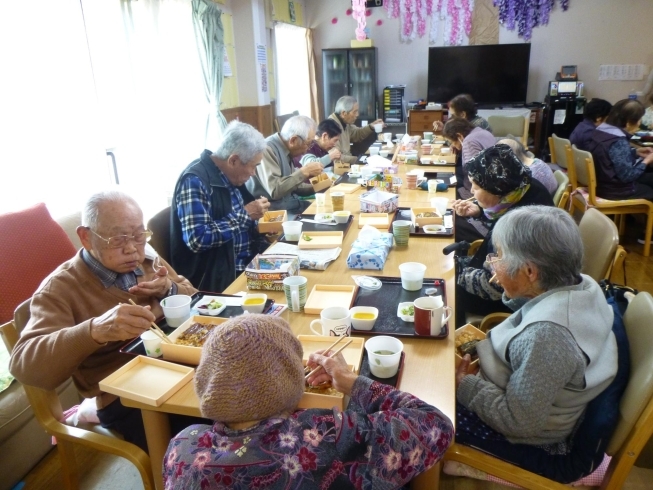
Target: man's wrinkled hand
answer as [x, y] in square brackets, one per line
[334, 154]
[122, 322]
[335, 369]
[257, 208]
[157, 287]
[312, 169]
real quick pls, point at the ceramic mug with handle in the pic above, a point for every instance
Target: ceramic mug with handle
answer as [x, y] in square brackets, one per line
[295, 289]
[429, 315]
[334, 321]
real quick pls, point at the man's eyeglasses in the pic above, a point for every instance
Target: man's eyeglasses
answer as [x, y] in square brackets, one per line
[120, 241]
[492, 259]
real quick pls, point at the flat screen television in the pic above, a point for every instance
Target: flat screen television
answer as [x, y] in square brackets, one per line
[494, 74]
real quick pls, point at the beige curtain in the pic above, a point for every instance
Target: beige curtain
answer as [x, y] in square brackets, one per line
[315, 110]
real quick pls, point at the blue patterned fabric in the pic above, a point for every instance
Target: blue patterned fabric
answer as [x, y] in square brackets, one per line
[110, 278]
[364, 255]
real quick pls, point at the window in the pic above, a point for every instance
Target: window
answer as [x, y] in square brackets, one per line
[293, 87]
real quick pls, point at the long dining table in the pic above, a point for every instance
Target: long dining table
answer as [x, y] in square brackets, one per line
[429, 366]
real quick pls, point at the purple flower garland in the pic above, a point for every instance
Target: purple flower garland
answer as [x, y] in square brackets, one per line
[526, 14]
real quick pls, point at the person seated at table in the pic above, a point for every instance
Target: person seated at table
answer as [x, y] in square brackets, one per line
[81, 313]
[647, 118]
[276, 178]
[621, 171]
[540, 367]
[213, 234]
[464, 106]
[595, 113]
[261, 439]
[345, 115]
[500, 184]
[467, 141]
[323, 147]
[539, 169]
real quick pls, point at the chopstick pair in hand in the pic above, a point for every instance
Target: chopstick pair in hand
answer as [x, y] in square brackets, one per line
[155, 328]
[331, 355]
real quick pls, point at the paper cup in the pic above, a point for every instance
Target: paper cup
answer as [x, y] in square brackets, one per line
[440, 203]
[320, 199]
[387, 137]
[412, 275]
[292, 230]
[378, 128]
[432, 185]
[152, 344]
[384, 354]
[176, 309]
[374, 150]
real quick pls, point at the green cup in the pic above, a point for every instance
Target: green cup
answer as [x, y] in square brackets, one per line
[401, 231]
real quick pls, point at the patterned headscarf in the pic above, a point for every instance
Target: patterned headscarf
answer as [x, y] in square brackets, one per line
[498, 171]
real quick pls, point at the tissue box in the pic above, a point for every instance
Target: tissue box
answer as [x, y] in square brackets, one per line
[269, 271]
[370, 255]
[378, 202]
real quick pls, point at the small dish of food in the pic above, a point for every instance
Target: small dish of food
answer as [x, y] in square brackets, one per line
[431, 229]
[363, 317]
[341, 216]
[406, 311]
[212, 308]
[323, 217]
[254, 303]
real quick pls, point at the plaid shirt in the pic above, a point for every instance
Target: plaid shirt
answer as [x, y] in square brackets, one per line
[108, 277]
[201, 232]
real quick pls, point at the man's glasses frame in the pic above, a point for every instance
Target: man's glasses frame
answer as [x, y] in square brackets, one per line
[119, 241]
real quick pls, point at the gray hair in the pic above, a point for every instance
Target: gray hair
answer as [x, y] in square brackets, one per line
[345, 103]
[516, 146]
[545, 237]
[242, 140]
[91, 210]
[298, 126]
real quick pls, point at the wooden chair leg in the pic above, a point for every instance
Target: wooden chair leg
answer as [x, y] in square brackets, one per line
[647, 237]
[69, 471]
[622, 223]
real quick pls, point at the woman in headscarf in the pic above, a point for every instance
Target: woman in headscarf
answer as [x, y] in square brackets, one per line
[542, 366]
[250, 380]
[500, 183]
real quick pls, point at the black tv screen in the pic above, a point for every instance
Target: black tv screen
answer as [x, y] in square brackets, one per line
[492, 74]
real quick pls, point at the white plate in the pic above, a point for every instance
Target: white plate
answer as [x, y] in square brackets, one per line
[205, 311]
[406, 318]
[324, 218]
[433, 229]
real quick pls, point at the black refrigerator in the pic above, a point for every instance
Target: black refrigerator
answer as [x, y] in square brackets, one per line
[561, 114]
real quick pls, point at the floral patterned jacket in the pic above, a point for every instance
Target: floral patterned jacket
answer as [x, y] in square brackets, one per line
[383, 440]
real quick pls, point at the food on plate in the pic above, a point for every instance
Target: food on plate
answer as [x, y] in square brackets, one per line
[466, 344]
[364, 316]
[427, 214]
[306, 238]
[195, 335]
[253, 301]
[408, 311]
[273, 219]
[213, 305]
[322, 389]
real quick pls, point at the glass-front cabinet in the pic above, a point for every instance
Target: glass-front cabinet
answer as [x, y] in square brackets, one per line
[350, 72]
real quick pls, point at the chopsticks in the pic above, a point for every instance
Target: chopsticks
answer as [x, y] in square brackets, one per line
[306, 369]
[155, 328]
[333, 354]
[493, 278]
[266, 215]
[469, 199]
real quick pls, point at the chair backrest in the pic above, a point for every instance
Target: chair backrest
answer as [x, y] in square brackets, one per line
[563, 181]
[580, 166]
[159, 224]
[635, 424]
[558, 147]
[281, 120]
[600, 240]
[516, 126]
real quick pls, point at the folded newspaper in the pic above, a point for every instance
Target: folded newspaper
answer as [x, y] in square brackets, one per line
[316, 259]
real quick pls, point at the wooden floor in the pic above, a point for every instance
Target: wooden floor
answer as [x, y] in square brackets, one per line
[105, 472]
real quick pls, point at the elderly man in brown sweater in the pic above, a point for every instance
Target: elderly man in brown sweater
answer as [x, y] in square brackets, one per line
[81, 314]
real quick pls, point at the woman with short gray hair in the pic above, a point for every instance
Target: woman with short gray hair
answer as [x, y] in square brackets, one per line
[540, 367]
[539, 168]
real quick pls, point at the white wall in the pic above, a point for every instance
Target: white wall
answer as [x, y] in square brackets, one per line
[590, 33]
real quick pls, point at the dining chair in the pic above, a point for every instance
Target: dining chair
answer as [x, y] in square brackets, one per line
[49, 413]
[279, 121]
[634, 425]
[600, 241]
[558, 148]
[585, 197]
[561, 196]
[516, 126]
[159, 225]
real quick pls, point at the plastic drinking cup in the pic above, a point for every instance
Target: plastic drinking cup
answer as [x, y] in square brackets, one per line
[320, 199]
[412, 275]
[292, 230]
[176, 309]
[440, 203]
[152, 344]
[338, 201]
[384, 354]
[432, 185]
[378, 128]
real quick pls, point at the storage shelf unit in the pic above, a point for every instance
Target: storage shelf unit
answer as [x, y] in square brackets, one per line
[393, 104]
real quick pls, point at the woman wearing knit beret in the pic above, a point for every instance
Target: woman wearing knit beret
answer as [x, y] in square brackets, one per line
[500, 183]
[250, 379]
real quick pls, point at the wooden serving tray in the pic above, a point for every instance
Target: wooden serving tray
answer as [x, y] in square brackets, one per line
[405, 214]
[353, 353]
[147, 380]
[325, 295]
[377, 220]
[185, 353]
[346, 188]
[320, 239]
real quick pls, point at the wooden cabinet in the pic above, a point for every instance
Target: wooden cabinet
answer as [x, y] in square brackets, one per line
[421, 120]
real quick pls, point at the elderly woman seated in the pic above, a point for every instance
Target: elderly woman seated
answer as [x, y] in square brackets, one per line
[500, 183]
[250, 380]
[541, 367]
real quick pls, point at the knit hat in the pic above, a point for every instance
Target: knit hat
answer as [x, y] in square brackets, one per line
[251, 369]
[498, 171]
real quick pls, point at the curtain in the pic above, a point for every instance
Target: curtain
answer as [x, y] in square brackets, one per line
[209, 36]
[315, 108]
